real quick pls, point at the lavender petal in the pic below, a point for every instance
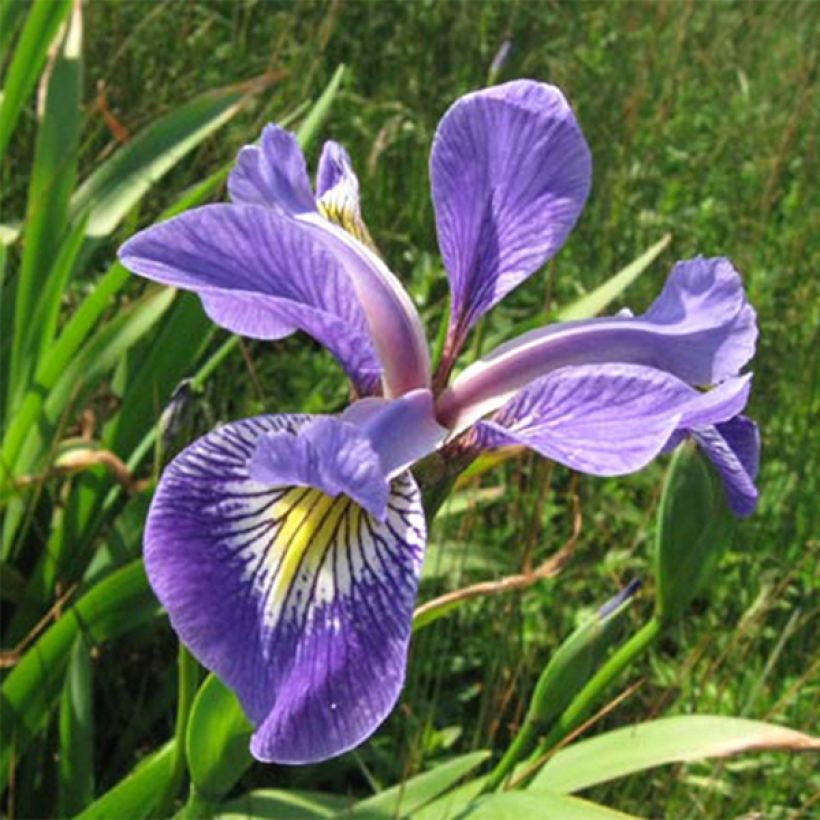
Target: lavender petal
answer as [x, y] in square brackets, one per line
[607, 420]
[260, 274]
[300, 603]
[510, 173]
[272, 174]
[700, 329]
[734, 448]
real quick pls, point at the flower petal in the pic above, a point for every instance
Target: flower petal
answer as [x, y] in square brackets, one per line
[700, 329]
[510, 173]
[300, 603]
[607, 420]
[402, 430]
[273, 174]
[329, 454]
[337, 191]
[734, 448]
[262, 275]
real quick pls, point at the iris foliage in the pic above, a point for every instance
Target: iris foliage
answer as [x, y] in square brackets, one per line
[90, 362]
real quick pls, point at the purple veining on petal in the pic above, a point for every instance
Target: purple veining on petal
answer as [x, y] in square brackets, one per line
[733, 447]
[328, 454]
[607, 420]
[334, 167]
[300, 603]
[261, 274]
[701, 329]
[395, 326]
[510, 172]
[273, 174]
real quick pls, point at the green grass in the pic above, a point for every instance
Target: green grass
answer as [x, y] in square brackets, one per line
[702, 121]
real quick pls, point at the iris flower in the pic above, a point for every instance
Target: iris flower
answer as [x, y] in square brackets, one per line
[287, 549]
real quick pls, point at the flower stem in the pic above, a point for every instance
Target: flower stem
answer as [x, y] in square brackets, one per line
[583, 702]
[196, 808]
[575, 713]
[188, 679]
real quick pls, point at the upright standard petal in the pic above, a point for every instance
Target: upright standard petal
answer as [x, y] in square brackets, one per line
[608, 420]
[261, 274]
[273, 174]
[510, 173]
[300, 602]
[701, 329]
[337, 192]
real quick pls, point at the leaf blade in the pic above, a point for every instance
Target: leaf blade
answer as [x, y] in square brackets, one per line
[680, 739]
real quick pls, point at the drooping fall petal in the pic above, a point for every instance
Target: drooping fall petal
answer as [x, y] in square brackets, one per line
[299, 601]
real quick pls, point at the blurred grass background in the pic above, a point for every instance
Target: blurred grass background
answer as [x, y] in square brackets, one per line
[702, 121]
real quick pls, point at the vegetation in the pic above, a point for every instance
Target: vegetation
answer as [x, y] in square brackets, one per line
[702, 122]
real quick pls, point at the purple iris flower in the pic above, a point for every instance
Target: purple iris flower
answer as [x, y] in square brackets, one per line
[287, 548]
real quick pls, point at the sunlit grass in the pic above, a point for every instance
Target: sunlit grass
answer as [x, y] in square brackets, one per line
[701, 119]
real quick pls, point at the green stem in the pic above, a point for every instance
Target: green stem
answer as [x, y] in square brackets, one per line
[515, 752]
[188, 677]
[196, 808]
[583, 702]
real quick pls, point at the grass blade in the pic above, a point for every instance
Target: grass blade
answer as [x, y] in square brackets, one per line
[540, 806]
[593, 303]
[50, 185]
[10, 14]
[32, 429]
[659, 742]
[295, 804]
[76, 762]
[406, 798]
[310, 126]
[120, 182]
[42, 24]
[218, 739]
[136, 795]
[120, 602]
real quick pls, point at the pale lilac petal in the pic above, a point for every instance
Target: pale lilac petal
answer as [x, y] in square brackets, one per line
[300, 603]
[607, 420]
[510, 173]
[337, 193]
[273, 174]
[330, 454]
[334, 169]
[700, 329]
[734, 448]
[704, 301]
[402, 431]
[260, 274]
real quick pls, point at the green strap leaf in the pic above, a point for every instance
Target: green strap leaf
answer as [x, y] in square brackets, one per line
[136, 796]
[217, 743]
[658, 742]
[75, 768]
[119, 603]
[405, 799]
[120, 182]
[695, 528]
[593, 303]
[278, 803]
[33, 427]
[42, 23]
[51, 182]
[538, 806]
